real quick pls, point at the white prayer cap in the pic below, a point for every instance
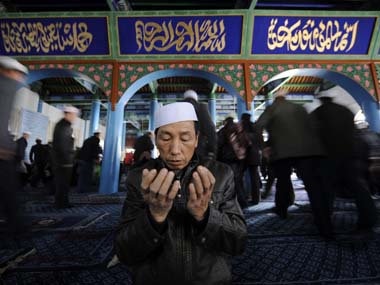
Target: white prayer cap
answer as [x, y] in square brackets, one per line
[361, 124]
[281, 93]
[325, 93]
[190, 94]
[174, 113]
[70, 109]
[10, 63]
[26, 133]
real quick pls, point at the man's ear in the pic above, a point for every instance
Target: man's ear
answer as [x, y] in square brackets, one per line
[196, 138]
[155, 137]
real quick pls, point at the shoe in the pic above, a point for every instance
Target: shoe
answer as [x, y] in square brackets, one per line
[282, 214]
[64, 206]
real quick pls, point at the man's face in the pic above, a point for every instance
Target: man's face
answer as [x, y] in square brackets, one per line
[13, 74]
[176, 143]
[71, 117]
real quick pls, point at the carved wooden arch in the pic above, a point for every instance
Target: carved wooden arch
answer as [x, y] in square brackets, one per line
[361, 73]
[231, 73]
[100, 73]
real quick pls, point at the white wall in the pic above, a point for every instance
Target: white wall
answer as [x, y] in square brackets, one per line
[28, 100]
[24, 99]
[56, 115]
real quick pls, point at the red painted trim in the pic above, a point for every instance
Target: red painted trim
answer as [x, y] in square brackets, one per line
[244, 61]
[375, 81]
[115, 85]
[68, 61]
[303, 61]
[247, 81]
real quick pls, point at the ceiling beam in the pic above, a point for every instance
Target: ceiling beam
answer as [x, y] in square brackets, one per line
[301, 84]
[90, 87]
[253, 5]
[111, 5]
[270, 93]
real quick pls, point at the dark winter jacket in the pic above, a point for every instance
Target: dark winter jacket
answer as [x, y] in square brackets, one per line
[183, 251]
[63, 144]
[225, 151]
[39, 154]
[21, 145]
[207, 142]
[256, 143]
[336, 128]
[143, 144]
[90, 150]
[8, 88]
[291, 132]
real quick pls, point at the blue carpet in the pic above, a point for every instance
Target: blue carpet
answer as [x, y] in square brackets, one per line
[57, 221]
[77, 248]
[97, 276]
[305, 260]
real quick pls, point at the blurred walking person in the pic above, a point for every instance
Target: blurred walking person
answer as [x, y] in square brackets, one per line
[345, 169]
[233, 151]
[88, 157]
[63, 156]
[22, 168]
[39, 157]
[293, 143]
[12, 76]
[143, 150]
[252, 160]
[207, 145]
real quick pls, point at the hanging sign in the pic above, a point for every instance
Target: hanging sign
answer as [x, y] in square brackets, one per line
[211, 35]
[66, 36]
[312, 35]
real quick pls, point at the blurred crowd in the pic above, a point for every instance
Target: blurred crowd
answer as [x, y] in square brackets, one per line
[333, 156]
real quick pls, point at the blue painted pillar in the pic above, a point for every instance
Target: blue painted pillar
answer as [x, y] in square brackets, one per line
[212, 107]
[371, 112]
[85, 135]
[252, 111]
[123, 135]
[241, 107]
[109, 177]
[95, 114]
[153, 108]
[40, 106]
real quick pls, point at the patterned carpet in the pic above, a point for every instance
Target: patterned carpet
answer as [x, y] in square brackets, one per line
[291, 252]
[74, 246]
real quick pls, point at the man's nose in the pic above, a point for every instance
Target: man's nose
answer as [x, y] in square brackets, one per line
[175, 147]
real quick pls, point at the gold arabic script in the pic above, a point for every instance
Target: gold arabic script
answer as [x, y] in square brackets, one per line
[23, 37]
[312, 36]
[196, 37]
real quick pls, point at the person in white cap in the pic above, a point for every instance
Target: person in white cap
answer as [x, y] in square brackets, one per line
[207, 143]
[180, 217]
[13, 69]
[12, 76]
[63, 156]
